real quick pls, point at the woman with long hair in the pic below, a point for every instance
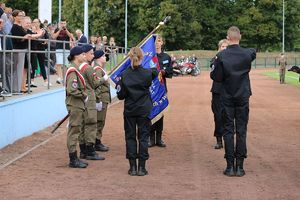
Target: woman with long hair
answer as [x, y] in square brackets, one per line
[134, 87]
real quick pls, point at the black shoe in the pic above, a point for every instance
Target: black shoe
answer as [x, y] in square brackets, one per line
[142, 169]
[151, 142]
[91, 154]
[160, 143]
[100, 147]
[240, 171]
[132, 170]
[229, 171]
[75, 162]
[83, 153]
[240, 167]
[219, 144]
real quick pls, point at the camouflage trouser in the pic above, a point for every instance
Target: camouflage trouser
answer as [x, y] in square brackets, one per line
[282, 75]
[76, 121]
[101, 116]
[88, 133]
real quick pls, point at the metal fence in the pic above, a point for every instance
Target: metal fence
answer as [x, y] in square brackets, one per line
[259, 62]
[8, 59]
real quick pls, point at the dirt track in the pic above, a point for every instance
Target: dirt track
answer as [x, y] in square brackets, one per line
[189, 168]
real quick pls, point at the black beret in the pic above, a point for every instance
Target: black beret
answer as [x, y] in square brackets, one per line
[76, 51]
[98, 54]
[87, 48]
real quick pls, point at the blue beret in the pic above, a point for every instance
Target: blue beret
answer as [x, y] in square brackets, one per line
[98, 54]
[87, 48]
[76, 51]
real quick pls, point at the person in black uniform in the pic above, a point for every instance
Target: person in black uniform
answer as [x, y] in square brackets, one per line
[166, 70]
[216, 104]
[134, 87]
[231, 67]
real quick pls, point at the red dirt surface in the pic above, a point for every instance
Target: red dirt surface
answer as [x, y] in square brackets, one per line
[189, 168]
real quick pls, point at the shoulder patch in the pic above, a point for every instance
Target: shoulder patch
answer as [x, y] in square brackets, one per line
[212, 68]
[165, 61]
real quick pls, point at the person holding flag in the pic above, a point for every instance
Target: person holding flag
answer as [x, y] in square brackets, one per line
[166, 71]
[134, 87]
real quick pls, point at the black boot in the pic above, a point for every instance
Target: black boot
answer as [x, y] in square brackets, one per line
[82, 151]
[132, 170]
[229, 171]
[219, 144]
[75, 162]
[142, 169]
[100, 147]
[240, 167]
[159, 141]
[151, 142]
[91, 153]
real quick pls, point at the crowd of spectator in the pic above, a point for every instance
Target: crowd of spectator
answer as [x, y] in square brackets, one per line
[15, 22]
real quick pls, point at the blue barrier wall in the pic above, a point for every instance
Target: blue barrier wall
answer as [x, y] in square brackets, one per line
[26, 115]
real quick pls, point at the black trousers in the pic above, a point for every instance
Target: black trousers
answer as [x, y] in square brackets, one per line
[236, 115]
[158, 126]
[137, 128]
[217, 109]
[35, 59]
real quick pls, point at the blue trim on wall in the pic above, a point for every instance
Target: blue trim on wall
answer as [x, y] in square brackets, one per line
[26, 115]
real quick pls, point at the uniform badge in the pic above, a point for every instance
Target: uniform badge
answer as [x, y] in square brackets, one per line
[165, 61]
[212, 68]
[75, 84]
[118, 88]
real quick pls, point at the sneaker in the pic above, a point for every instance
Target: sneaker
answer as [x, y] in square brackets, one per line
[59, 81]
[46, 84]
[5, 93]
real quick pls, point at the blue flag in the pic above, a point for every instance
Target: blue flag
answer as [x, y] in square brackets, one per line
[158, 90]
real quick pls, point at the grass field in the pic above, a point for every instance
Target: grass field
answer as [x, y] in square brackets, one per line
[290, 77]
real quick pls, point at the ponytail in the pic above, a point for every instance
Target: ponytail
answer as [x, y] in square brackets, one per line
[136, 56]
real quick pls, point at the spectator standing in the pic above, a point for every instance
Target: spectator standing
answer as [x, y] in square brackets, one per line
[282, 68]
[2, 8]
[113, 51]
[6, 84]
[231, 67]
[81, 39]
[99, 44]
[216, 104]
[18, 44]
[62, 33]
[39, 58]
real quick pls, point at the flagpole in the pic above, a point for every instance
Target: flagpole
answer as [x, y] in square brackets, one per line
[157, 28]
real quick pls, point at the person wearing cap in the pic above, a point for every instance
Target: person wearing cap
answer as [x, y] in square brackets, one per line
[103, 97]
[88, 136]
[75, 102]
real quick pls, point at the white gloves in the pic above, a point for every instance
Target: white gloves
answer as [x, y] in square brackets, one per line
[86, 99]
[105, 77]
[99, 106]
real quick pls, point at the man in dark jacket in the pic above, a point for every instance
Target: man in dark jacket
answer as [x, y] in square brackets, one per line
[166, 71]
[232, 67]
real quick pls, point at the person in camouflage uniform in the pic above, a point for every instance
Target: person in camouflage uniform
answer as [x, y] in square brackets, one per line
[102, 96]
[282, 68]
[75, 103]
[88, 136]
